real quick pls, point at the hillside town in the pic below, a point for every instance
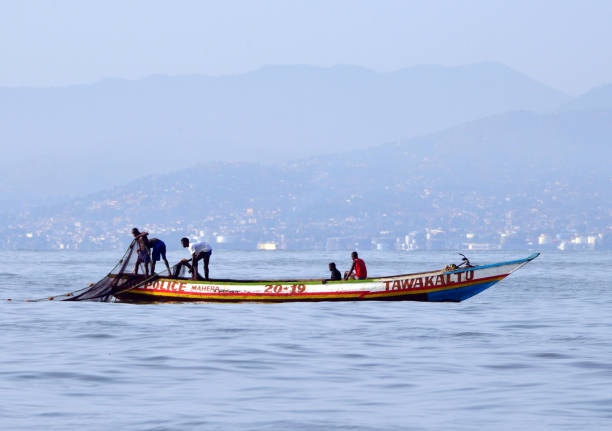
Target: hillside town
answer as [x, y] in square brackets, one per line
[253, 229]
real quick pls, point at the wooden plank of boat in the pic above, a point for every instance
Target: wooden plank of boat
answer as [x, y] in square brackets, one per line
[434, 286]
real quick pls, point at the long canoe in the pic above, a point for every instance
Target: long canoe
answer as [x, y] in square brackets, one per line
[434, 286]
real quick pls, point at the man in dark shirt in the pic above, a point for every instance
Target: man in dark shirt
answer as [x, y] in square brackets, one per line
[335, 274]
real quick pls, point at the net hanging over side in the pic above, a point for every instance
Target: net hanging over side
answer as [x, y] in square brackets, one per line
[124, 276]
[127, 274]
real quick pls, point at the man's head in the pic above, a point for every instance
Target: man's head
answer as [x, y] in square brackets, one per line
[332, 266]
[185, 242]
[135, 232]
[354, 255]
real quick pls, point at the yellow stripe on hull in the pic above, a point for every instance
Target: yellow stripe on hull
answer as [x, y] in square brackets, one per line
[305, 297]
[246, 296]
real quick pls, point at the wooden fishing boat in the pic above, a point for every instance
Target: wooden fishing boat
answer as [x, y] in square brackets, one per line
[446, 285]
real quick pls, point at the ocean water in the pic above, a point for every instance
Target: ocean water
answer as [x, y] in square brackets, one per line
[534, 351]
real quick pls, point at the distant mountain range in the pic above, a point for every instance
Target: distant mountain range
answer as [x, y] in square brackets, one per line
[595, 99]
[62, 142]
[514, 175]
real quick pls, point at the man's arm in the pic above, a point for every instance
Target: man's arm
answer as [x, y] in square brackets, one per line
[186, 263]
[350, 271]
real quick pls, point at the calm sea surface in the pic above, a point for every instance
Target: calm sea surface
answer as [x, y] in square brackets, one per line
[534, 351]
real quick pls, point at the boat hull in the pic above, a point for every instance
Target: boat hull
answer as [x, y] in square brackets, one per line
[433, 286]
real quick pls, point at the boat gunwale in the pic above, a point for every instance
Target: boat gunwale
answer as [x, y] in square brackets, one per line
[493, 265]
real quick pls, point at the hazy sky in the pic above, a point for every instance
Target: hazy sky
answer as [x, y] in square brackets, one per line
[565, 44]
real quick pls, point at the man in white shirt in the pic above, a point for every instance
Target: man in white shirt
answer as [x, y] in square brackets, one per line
[199, 251]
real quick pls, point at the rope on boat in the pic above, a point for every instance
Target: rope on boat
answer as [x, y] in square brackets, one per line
[52, 298]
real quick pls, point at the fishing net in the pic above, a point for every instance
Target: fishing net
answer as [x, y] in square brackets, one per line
[126, 274]
[182, 270]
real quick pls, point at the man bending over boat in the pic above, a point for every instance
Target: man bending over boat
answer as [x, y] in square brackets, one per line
[143, 250]
[158, 250]
[199, 251]
[359, 266]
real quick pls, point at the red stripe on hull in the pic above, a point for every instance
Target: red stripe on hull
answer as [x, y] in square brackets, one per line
[450, 286]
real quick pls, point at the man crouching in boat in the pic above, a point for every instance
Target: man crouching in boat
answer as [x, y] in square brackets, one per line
[199, 251]
[359, 266]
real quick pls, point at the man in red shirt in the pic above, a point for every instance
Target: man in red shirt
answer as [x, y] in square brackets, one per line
[359, 266]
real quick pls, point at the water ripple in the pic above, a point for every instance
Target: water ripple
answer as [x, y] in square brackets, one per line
[496, 361]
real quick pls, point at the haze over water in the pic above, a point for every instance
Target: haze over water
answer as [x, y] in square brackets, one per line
[533, 351]
[307, 125]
